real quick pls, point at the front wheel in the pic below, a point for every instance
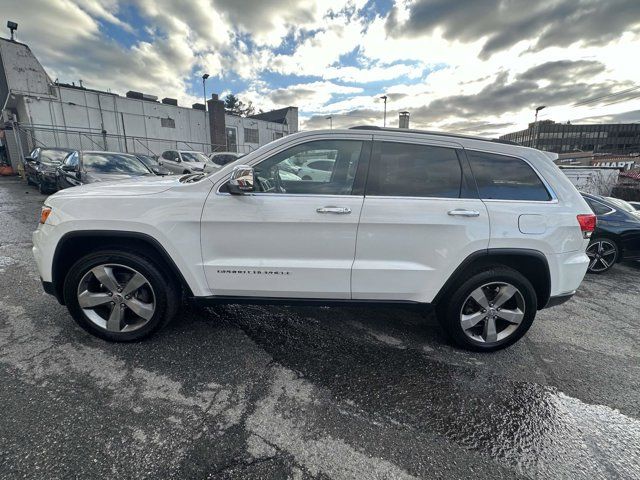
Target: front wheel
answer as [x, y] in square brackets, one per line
[603, 254]
[120, 296]
[491, 310]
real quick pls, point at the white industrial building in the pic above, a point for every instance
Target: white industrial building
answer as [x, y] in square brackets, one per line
[39, 112]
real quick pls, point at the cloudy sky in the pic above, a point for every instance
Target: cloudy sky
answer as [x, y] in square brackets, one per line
[470, 66]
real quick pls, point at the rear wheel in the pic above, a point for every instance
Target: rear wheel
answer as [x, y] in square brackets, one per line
[120, 296]
[491, 310]
[603, 253]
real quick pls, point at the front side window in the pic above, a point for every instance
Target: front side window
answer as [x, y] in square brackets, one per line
[111, 163]
[410, 170]
[500, 177]
[291, 171]
[72, 160]
[169, 155]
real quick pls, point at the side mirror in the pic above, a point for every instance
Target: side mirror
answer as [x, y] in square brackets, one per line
[28, 159]
[160, 163]
[242, 180]
[68, 168]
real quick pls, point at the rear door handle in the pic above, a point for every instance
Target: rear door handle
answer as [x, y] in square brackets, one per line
[336, 210]
[461, 212]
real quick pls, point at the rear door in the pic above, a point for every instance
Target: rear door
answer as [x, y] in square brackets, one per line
[420, 219]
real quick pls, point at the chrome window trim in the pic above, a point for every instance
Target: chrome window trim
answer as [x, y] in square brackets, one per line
[550, 191]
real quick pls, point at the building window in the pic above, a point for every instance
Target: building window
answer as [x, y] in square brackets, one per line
[277, 135]
[251, 135]
[168, 122]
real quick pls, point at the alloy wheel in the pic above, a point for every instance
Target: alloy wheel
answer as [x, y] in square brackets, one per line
[492, 312]
[116, 298]
[602, 255]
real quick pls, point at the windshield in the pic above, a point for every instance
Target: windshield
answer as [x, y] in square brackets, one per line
[53, 157]
[148, 161]
[193, 157]
[113, 163]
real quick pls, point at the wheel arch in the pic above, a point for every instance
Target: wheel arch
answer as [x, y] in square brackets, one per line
[74, 245]
[530, 263]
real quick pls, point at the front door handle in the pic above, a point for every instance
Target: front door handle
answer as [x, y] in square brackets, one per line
[336, 210]
[461, 212]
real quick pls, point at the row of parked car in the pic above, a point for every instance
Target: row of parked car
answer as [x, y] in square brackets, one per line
[52, 169]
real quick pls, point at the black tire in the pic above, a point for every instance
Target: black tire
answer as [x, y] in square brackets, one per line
[41, 189]
[166, 290]
[29, 181]
[611, 259]
[450, 309]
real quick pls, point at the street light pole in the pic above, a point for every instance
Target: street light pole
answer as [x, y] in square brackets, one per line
[384, 122]
[204, 97]
[535, 122]
[330, 118]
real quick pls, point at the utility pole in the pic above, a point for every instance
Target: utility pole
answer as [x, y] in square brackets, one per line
[330, 118]
[384, 122]
[204, 97]
[535, 122]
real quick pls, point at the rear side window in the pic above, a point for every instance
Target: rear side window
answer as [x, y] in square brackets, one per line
[506, 178]
[409, 170]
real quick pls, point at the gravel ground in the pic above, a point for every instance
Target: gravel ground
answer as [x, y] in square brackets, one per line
[307, 392]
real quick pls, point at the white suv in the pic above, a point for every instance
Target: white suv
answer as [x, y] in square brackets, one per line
[487, 232]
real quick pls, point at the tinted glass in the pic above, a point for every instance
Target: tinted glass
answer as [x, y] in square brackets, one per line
[505, 178]
[53, 157]
[408, 170]
[597, 207]
[223, 159]
[169, 155]
[111, 163]
[289, 171]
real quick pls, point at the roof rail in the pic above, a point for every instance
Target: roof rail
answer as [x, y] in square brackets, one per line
[429, 132]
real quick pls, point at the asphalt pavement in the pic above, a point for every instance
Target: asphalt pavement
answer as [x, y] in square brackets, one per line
[312, 392]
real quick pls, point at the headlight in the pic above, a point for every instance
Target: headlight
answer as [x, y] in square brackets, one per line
[44, 213]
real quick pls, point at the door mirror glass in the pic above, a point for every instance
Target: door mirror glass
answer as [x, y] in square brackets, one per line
[242, 180]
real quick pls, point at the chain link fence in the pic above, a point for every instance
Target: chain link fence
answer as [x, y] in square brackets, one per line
[32, 136]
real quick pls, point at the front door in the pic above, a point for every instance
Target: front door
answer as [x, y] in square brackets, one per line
[420, 220]
[171, 161]
[291, 237]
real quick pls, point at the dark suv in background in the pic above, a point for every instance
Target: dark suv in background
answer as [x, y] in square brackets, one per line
[82, 167]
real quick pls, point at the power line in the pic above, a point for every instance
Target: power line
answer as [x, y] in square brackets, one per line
[595, 99]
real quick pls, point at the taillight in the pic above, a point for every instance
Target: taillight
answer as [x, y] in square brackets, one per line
[587, 224]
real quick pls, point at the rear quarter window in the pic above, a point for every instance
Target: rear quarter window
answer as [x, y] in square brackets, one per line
[500, 177]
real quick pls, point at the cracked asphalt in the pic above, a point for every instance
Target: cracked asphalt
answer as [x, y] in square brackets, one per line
[307, 392]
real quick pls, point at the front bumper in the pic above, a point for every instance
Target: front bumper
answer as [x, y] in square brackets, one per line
[559, 299]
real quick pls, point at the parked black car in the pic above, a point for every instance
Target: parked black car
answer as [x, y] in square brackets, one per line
[617, 233]
[153, 164]
[41, 165]
[83, 167]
